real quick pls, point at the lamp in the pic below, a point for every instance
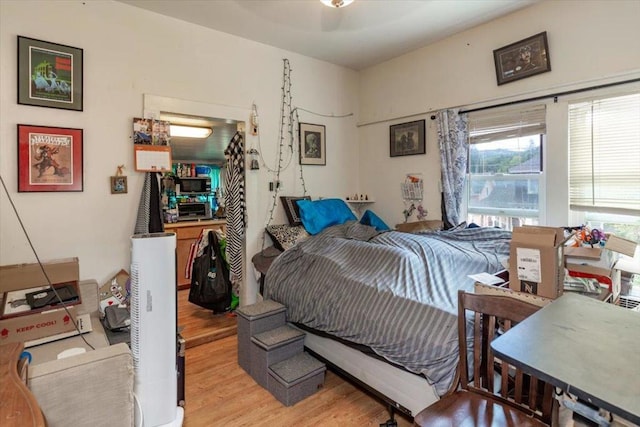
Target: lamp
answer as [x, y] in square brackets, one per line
[190, 131]
[336, 3]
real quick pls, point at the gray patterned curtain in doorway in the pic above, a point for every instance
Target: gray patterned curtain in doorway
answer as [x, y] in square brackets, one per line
[453, 140]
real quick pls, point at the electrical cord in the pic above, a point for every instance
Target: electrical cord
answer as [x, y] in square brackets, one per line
[139, 406]
[24, 230]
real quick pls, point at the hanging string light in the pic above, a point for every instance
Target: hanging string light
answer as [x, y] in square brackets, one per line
[285, 113]
[290, 119]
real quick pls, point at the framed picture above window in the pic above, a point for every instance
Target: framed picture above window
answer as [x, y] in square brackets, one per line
[523, 58]
[407, 139]
[49, 74]
[312, 144]
[49, 159]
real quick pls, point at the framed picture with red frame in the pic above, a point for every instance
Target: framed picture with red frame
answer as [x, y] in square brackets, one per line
[49, 159]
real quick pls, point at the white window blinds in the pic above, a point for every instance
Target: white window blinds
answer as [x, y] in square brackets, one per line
[506, 123]
[604, 154]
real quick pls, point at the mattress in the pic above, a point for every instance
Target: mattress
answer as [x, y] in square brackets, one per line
[393, 292]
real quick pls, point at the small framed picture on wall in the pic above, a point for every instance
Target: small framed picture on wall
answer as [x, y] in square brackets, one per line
[406, 139]
[312, 144]
[119, 184]
[524, 58]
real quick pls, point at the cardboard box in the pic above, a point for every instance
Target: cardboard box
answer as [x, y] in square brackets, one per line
[612, 274]
[620, 245]
[8, 310]
[595, 257]
[601, 262]
[41, 324]
[83, 321]
[23, 276]
[536, 263]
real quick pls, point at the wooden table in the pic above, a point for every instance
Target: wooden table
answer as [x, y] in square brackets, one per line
[588, 348]
[18, 407]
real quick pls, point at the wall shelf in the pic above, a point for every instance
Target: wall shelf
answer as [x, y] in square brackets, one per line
[359, 204]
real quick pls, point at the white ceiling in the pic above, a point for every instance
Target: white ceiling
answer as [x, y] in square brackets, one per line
[363, 34]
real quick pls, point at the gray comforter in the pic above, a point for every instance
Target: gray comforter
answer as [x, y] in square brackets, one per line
[393, 292]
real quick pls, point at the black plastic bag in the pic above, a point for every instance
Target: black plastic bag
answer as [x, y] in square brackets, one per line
[210, 284]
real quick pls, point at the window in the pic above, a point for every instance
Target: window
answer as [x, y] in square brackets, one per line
[604, 176]
[505, 186]
[604, 153]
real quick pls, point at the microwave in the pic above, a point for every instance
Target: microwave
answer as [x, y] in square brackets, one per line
[195, 185]
[194, 210]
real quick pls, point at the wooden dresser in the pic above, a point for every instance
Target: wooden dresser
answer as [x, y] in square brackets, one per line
[187, 233]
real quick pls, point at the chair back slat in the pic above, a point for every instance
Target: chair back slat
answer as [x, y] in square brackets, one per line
[494, 315]
[477, 352]
[504, 379]
[547, 401]
[488, 354]
[533, 392]
[519, 376]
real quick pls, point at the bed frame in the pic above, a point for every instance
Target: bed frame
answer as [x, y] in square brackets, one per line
[403, 391]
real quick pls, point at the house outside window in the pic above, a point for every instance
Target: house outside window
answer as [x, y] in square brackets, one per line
[505, 185]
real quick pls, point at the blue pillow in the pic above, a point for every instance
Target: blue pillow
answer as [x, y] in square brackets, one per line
[369, 218]
[319, 214]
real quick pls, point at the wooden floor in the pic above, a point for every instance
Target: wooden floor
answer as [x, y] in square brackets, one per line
[198, 325]
[219, 393]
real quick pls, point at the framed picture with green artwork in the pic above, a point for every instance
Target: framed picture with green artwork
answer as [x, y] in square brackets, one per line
[49, 74]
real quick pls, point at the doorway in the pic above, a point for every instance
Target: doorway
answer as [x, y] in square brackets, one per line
[196, 324]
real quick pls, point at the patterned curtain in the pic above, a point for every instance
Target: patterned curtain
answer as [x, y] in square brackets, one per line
[453, 139]
[235, 208]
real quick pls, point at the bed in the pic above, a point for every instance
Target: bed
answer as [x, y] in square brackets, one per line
[391, 292]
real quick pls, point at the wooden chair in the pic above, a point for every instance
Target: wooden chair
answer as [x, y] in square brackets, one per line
[517, 399]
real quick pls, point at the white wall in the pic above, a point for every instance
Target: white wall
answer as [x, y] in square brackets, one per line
[590, 43]
[129, 52]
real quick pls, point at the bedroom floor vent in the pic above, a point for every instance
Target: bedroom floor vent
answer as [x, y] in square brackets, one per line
[630, 302]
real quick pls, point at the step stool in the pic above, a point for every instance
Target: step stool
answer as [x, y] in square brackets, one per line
[271, 347]
[254, 319]
[296, 378]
